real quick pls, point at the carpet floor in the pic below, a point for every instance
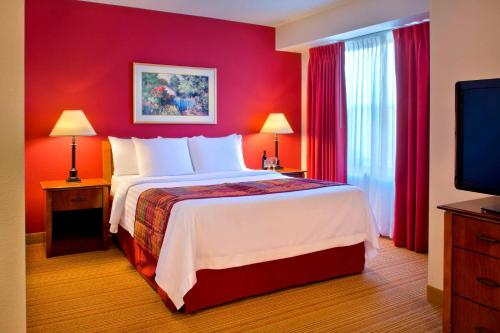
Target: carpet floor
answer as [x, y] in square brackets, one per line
[101, 292]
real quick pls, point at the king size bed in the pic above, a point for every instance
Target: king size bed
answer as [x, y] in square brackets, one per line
[207, 238]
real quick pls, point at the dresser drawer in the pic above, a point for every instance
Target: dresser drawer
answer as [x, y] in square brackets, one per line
[478, 319]
[476, 277]
[77, 199]
[476, 235]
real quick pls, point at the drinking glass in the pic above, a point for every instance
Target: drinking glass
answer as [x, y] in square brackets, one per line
[272, 161]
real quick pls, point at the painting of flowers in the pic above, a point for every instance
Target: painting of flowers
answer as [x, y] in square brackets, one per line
[174, 94]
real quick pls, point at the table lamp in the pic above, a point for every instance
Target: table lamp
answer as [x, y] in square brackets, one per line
[73, 123]
[276, 123]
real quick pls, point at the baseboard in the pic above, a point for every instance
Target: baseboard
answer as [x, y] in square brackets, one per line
[35, 237]
[434, 296]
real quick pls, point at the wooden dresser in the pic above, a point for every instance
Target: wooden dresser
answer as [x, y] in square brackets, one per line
[471, 296]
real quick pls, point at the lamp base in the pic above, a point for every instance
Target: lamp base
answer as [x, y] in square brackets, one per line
[73, 174]
[73, 179]
[278, 167]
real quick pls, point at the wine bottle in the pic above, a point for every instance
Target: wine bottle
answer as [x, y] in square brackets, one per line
[264, 158]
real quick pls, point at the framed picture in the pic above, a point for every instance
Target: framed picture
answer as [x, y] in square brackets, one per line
[174, 94]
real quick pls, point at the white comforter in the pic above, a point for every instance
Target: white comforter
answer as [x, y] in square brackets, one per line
[230, 232]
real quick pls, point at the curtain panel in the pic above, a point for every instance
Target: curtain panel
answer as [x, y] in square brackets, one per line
[371, 122]
[326, 114]
[411, 218]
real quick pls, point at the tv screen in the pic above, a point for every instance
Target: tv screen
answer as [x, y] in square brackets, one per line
[478, 136]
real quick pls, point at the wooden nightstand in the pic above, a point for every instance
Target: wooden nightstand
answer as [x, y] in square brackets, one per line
[297, 173]
[76, 216]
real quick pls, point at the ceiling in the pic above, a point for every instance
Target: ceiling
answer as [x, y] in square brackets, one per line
[263, 12]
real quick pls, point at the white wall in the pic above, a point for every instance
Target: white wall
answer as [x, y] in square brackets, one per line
[12, 254]
[465, 45]
[348, 17]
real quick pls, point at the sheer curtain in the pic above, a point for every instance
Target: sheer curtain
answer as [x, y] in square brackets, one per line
[371, 122]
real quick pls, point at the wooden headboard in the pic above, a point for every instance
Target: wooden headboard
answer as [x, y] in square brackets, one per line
[107, 161]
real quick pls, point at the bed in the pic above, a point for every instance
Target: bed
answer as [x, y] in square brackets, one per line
[217, 250]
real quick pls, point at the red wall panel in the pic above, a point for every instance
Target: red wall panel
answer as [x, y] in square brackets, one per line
[79, 55]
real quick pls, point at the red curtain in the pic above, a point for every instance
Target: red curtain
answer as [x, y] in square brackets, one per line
[411, 219]
[326, 114]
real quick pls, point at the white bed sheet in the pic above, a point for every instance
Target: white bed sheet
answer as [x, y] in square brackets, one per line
[220, 233]
[117, 180]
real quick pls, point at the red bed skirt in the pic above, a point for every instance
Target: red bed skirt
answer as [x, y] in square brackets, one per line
[217, 286]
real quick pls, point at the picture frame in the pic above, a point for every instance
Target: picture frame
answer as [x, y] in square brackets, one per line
[165, 94]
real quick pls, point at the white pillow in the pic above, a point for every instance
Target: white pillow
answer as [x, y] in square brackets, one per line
[124, 157]
[216, 154]
[163, 157]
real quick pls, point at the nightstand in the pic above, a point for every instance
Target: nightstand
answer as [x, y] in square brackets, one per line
[76, 216]
[297, 173]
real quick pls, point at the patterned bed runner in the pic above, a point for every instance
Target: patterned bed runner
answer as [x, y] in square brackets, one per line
[155, 205]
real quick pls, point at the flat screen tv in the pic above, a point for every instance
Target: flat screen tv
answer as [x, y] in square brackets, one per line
[477, 166]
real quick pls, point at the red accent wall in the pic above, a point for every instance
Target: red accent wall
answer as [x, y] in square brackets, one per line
[79, 55]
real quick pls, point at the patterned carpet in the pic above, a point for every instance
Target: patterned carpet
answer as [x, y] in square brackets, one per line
[101, 291]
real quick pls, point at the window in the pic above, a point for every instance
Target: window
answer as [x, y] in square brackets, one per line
[371, 122]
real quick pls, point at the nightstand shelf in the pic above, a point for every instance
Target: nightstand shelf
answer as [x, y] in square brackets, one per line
[76, 216]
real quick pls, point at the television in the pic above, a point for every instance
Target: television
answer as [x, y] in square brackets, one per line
[477, 162]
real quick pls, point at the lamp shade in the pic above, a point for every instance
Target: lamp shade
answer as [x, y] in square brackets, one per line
[276, 123]
[72, 123]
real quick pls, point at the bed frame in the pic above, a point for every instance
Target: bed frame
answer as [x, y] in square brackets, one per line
[107, 161]
[217, 286]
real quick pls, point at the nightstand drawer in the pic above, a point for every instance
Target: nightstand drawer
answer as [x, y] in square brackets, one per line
[476, 277]
[77, 199]
[294, 174]
[478, 236]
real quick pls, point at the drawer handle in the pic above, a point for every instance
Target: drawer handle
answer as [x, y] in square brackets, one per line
[487, 239]
[488, 282]
[480, 329]
[77, 199]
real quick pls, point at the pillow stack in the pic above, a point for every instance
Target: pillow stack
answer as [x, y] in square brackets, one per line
[176, 156]
[124, 157]
[163, 157]
[216, 154]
